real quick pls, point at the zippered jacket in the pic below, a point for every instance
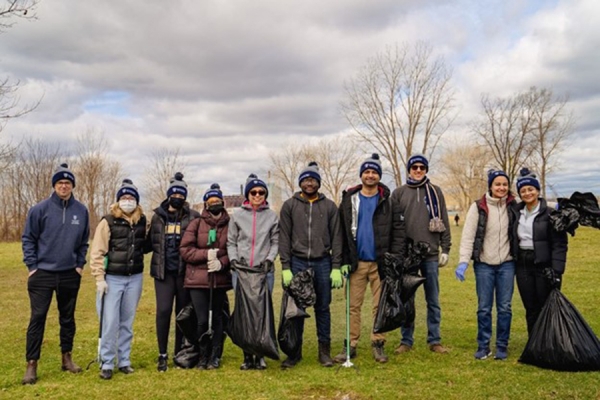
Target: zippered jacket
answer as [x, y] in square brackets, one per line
[56, 235]
[389, 232]
[309, 230]
[253, 235]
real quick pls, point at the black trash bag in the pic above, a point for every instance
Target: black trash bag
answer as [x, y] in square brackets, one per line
[390, 312]
[410, 312]
[565, 220]
[410, 284]
[187, 322]
[561, 339]
[288, 335]
[587, 206]
[302, 288]
[252, 323]
[415, 254]
[188, 356]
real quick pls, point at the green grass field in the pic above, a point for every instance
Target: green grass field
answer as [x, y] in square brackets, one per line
[419, 374]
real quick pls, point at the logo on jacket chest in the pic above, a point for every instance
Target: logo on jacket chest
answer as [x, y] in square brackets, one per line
[75, 220]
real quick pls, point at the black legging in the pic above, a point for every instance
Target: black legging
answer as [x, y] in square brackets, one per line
[168, 291]
[200, 299]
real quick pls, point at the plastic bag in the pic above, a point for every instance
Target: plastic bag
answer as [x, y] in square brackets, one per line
[188, 356]
[561, 339]
[187, 322]
[302, 289]
[289, 336]
[390, 313]
[579, 209]
[252, 323]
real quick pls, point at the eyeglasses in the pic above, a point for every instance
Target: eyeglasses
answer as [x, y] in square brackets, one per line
[418, 167]
[257, 192]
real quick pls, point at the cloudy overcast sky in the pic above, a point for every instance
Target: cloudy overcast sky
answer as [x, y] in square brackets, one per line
[227, 81]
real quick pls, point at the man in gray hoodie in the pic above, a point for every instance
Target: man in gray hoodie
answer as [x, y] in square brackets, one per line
[423, 207]
[311, 237]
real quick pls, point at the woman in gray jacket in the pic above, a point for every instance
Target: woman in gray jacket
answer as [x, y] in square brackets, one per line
[253, 241]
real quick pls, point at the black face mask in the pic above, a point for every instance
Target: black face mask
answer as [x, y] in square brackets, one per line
[176, 203]
[215, 209]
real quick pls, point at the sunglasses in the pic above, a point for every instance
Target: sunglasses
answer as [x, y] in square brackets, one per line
[418, 167]
[257, 192]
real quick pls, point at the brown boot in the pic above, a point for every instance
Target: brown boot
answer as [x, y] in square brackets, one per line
[341, 357]
[378, 351]
[68, 364]
[30, 373]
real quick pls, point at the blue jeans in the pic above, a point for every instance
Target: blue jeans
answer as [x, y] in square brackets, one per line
[322, 282]
[120, 303]
[490, 280]
[429, 270]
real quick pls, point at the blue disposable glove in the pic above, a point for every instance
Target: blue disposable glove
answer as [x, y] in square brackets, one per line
[336, 278]
[460, 271]
[345, 270]
[286, 276]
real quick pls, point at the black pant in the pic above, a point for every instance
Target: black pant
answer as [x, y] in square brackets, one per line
[534, 287]
[200, 299]
[41, 286]
[169, 291]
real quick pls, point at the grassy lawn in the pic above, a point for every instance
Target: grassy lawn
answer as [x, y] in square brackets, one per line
[419, 374]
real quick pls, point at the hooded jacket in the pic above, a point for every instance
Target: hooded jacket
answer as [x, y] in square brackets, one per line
[409, 203]
[253, 235]
[119, 237]
[389, 231]
[56, 235]
[194, 251]
[156, 236]
[549, 246]
[309, 230]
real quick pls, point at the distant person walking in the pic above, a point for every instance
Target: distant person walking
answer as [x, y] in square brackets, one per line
[55, 243]
[456, 219]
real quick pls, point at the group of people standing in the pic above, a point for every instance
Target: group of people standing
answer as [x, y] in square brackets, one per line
[195, 256]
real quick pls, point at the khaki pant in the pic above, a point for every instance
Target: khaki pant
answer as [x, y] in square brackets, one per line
[364, 274]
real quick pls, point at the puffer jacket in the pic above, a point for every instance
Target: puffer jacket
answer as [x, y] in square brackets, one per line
[253, 235]
[194, 251]
[549, 247]
[309, 230]
[156, 237]
[389, 231]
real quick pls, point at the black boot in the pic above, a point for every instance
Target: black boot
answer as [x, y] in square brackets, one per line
[214, 360]
[205, 352]
[260, 363]
[325, 354]
[248, 362]
[30, 373]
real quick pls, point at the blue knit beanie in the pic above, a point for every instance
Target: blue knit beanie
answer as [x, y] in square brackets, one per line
[127, 187]
[527, 178]
[371, 163]
[177, 185]
[311, 171]
[417, 158]
[214, 191]
[493, 174]
[63, 172]
[253, 182]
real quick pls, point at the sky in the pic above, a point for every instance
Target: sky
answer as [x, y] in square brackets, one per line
[228, 81]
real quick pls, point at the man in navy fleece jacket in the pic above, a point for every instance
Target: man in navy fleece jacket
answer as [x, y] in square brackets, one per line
[55, 243]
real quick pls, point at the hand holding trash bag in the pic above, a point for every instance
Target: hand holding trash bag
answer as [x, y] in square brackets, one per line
[267, 266]
[345, 270]
[460, 271]
[336, 278]
[286, 276]
[553, 277]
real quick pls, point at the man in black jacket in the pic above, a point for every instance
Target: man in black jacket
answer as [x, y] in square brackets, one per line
[310, 237]
[169, 221]
[368, 233]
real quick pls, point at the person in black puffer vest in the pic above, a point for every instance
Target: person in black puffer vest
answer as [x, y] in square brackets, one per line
[168, 223]
[117, 263]
[542, 252]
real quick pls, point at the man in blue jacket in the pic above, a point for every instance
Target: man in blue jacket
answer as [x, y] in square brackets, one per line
[55, 243]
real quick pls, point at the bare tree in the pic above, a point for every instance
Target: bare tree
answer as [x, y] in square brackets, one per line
[463, 172]
[401, 103]
[551, 128]
[164, 163]
[286, 165]
[97, 175]
[9, 9]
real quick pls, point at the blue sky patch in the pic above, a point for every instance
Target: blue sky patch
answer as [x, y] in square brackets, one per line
[113, 103]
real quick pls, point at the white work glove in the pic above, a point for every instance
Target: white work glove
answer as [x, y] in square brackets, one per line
[214, 266]
[443, 260]
[101, 287]
[212, 254]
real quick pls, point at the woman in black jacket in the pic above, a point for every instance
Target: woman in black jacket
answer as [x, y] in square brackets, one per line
[542, 252]
[169, 221]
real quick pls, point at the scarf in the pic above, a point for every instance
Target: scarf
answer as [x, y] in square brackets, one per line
[432, 201]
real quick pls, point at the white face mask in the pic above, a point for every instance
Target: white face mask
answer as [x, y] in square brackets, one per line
[128, 206]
